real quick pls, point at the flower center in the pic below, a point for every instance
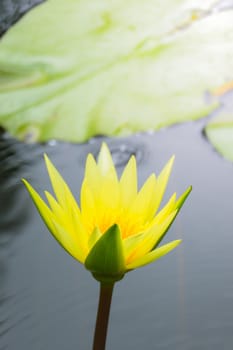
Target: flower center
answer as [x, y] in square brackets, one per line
[128, 226]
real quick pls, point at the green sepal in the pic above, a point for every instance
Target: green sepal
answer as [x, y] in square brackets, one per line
[106, 259]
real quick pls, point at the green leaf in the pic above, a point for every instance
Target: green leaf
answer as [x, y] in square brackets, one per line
[72, 69]
[220, 133]
[106, 258]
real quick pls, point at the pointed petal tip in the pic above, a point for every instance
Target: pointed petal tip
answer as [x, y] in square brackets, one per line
[46, 158]
[153, 176]
[90, 159]
[105, 162]
[48, 162]
[24, 181]
[104, 144]
[168, 166]
[172, 159]
[188, 191]
[47, 194]
[183, 197]
[132, 160]
[190, 188]
[29, 188]
[26, 184]
[104, 148]
[177, 241]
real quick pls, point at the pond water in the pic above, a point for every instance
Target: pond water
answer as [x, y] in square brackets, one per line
[183, 301]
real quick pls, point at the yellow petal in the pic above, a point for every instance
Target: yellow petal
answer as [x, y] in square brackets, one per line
[135, 249]
[148, 199]
[92, 174]
[79, 232]
[69, 242]
[61, 216]
[54, 205]
[61, 189]
[107, 205]
[136, 217]
[102, 190]
[140, 211]
[43, 209]
[100, 210]
[71, 221]
[162, 184]
[95, 235]
[131, 243]
[105, 163]
[88, 210]
[128, 183]
[166, 210]
[154, 255]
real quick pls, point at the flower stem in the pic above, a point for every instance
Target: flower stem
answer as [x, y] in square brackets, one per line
[101, 326]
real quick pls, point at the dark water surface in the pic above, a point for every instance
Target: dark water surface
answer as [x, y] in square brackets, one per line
[183, 301]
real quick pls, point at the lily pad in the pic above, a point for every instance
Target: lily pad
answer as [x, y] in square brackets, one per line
[73, 69]
[220, 133]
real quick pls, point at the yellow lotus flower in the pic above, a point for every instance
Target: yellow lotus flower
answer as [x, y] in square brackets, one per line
[116, 228]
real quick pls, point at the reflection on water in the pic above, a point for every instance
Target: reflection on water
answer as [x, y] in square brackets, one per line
[48, 300]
